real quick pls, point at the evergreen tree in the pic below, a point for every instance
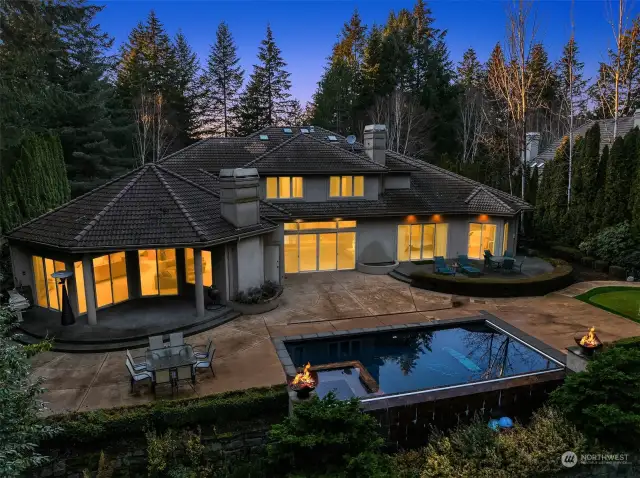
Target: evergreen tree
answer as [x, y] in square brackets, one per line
[618, 181]
[600, 189]
[187, 93]
[572, 84]
[470, 72]
[223, 80]
[557, 206]
[266, 99]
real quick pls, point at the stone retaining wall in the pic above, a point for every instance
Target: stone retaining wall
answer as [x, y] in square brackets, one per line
[131, 460]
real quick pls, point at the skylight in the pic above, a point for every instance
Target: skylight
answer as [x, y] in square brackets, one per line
[264, 137]
[287, 130]
[304, 130]
[332, 138]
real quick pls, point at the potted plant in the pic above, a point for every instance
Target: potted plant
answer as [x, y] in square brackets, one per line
[257, 300]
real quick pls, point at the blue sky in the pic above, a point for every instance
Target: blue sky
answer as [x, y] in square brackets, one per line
[305, 31]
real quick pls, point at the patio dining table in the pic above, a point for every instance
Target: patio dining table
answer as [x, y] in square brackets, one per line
[170, 357]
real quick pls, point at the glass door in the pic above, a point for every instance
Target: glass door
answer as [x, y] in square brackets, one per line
[481, 237]
[327, 252]
[308, 252]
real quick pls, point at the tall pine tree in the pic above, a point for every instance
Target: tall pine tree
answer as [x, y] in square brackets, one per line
[223, 80]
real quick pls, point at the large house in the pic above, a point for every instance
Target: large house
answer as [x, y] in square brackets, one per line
[236, 212]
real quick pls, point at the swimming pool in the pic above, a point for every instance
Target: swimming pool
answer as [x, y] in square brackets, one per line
[401, 359]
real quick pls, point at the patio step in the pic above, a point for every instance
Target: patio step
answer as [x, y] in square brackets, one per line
[400, 276]
[123, 344]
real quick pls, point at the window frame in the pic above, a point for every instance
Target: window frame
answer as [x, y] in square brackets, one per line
[482, 225]
[158, 294]
[341, 180]
[279, 187]
[435, 242]
[186, 266]
[46, 289]
[95, 290]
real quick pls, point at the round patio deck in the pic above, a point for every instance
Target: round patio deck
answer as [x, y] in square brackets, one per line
[125, 325]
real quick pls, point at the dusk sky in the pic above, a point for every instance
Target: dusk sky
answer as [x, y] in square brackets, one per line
[306, 31]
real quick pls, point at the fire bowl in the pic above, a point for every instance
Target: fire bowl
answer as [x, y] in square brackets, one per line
[587, 349]
[303, 390]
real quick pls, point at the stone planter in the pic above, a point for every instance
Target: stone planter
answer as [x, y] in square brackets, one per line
[376, 269]
[252, 309]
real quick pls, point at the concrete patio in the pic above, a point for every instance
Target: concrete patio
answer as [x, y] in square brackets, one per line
[312, 303]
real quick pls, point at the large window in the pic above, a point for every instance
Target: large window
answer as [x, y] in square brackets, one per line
[110, 278]
[158, 272]
[79, 277]
[422, 241]
[482, 237]
[346, 186]
[505, 238]
[48, 292]
[331, 246]
[207, 268]
[284, 187]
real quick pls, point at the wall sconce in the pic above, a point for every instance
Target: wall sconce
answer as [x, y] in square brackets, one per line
[483, 217]
[411, 219]
[436, 218]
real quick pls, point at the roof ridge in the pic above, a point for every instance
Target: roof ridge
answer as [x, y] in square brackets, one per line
[250, 163]
[258, 131]
[365, 156]
[483, 189]
[189, 181]
[261, 200]
[85, 230]
[179, 203]
[72, 201]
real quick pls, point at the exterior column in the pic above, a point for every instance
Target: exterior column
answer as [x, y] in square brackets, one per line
[197, 267]
[72, 290]
[89, 289]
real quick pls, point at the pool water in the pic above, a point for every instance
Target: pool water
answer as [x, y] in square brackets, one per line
[416, 359]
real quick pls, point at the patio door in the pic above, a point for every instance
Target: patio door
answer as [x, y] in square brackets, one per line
[481, 237]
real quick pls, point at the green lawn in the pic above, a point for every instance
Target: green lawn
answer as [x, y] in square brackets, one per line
[624, 301]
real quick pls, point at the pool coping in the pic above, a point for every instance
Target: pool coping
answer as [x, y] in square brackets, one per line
[408, 398]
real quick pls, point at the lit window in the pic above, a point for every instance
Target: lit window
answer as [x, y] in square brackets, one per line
[346, 224]
[311, 246]
[158, 274]
[48, 292]
[346, 186]
[207, 268]
[264, 137]
[317, 225]
[110, 278]
[290, 226]
[284, 187]
[79, 277]
[422, 241]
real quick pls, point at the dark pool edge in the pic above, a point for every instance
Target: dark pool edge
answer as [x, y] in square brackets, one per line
[484, 316]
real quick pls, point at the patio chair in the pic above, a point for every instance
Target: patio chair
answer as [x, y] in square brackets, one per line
[465, 266]
[162, 377]
[488, 260]
[156, 342]
[440, 267]
[508, 254]
[137, 367]
[207, 360]
[176, 339]
[137, 376]
[185, 373]
[204, 354]
[518, 265]
[507, 265]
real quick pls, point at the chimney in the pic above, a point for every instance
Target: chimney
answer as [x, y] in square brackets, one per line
[239, 196]
[375, 142]
[533, 145]
[636, 118]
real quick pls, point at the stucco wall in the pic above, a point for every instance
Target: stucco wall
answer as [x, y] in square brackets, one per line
[250, 263]
[21, 266]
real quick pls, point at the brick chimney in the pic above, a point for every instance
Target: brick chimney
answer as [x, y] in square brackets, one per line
[636, 118]
[375, 142]
[239, 196]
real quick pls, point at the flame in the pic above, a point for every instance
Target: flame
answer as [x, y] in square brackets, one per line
[305, 377]
[590, 340]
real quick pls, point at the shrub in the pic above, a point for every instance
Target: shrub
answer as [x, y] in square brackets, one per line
[224, 411]
[326, 437]
[617, 272]
[612, 244]
[604, 401]
[567, 253]
[258, 295]
[602, 266]
[541, 284]
[587, 261]
[631, 261]
[474, 450]
[628, 342]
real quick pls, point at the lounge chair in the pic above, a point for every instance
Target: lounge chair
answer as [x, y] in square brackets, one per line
[440, 267]
[465, 266]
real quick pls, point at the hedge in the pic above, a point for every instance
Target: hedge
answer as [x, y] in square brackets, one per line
[628, 342]
[542, 284]
[602, 266]
[224, 411]
[567, 253]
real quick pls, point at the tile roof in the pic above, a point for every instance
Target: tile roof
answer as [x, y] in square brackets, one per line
[303, 153]
[606, 136]
[148, 207]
